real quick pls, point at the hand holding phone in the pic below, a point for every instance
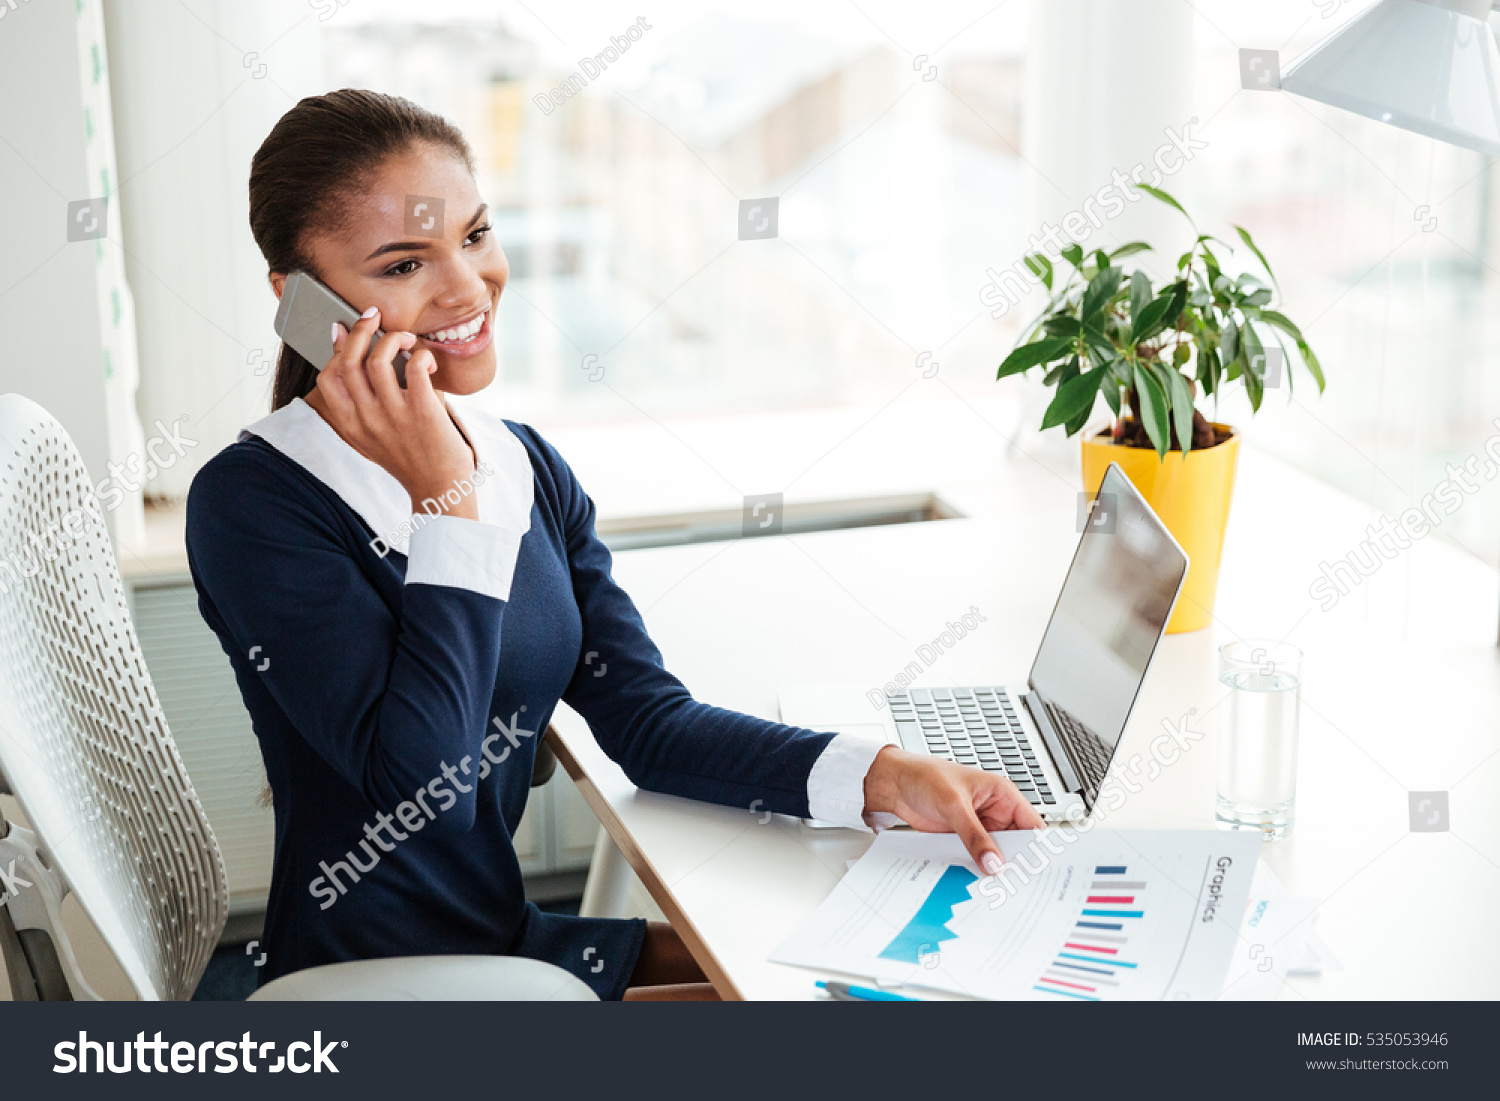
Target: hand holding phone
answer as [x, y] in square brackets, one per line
[305, 317]
[410, 432]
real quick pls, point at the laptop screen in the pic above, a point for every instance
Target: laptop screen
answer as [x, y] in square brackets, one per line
[1114, 605]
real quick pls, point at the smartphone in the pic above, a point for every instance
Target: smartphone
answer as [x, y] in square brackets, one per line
[305, 317]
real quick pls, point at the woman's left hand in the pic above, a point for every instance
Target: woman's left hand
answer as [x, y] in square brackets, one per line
[938, 796]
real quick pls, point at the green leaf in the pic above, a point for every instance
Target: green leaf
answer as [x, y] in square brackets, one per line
[1075, 398]
[1284, 323]
[1254, 350]
[1073, 254]
[1245, 236]
[1314, 368]
[1030, 355]
[1101, 290]
[1179, 300]
[1181, 354]
[1160, 371]
[1062, 372]
[1062, 325]
[1160, 195]
[1039, 322]
[1153, 407]
[1140, 293]
[1253, 356]
[1255, 389]
[1074, 426]
[1148, 321]
[1286, 362]
[1208, 370]
[1162, 313]
[1130, 248]
[1182, 410]
[1258, 298]
[1229, 340]
[1041, 267]
[1100, 347]
[1110, 388]
[1211, 264]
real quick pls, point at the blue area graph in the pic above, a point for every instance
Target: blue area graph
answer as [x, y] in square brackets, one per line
[930, 925]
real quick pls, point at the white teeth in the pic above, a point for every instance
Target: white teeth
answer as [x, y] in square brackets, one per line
[459, 334]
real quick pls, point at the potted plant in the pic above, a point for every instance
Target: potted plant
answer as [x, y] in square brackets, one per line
[1149, 352]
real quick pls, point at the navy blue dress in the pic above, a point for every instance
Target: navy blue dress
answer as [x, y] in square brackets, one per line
[399, 723]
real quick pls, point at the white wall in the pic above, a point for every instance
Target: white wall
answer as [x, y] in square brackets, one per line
[62, 304]
[196, 88]
[1104, 79]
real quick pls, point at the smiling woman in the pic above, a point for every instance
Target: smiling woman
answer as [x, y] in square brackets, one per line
[334, 191]
[389, 649]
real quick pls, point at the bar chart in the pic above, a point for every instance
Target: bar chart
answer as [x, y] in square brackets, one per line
[1106, 916]
[1093, 959]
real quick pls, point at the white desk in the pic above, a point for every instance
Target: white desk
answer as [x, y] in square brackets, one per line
[1404, 912]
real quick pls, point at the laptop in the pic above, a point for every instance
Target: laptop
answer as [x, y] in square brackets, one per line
[1055, 735]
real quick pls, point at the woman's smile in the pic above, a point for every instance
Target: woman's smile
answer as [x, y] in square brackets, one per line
[467, 338]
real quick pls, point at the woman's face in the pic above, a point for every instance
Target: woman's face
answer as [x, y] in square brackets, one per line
[444, 287]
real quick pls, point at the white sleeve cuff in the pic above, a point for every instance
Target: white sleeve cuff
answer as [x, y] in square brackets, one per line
[463, 554]
[836, 784]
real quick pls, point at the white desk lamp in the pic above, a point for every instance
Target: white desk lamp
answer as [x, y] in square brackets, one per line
[1430, 66]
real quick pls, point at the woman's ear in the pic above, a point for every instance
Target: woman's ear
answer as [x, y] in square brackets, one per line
[278, 280]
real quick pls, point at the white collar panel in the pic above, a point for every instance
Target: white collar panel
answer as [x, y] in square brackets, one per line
[504, 495]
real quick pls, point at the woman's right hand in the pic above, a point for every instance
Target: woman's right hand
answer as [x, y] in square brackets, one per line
[407, 432]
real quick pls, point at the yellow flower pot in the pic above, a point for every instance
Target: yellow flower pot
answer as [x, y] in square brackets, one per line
[1192, 498]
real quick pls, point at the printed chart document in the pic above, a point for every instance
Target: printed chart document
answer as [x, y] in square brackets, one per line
[1103, 916]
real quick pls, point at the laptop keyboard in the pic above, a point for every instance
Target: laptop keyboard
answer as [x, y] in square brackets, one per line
[974, 726]
[1089, 754]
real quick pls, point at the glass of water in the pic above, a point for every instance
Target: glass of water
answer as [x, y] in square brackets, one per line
[1258, 747]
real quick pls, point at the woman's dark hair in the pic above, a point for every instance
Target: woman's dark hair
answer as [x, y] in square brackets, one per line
[320, 153]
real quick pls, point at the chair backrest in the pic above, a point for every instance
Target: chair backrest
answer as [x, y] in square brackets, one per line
[84, 746]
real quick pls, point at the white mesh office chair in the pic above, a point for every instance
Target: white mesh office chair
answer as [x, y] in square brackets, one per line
[85, 750]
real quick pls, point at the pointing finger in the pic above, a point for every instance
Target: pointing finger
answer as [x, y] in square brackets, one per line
[976, 839]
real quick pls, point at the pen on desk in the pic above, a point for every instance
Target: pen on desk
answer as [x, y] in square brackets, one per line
[844, 992]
